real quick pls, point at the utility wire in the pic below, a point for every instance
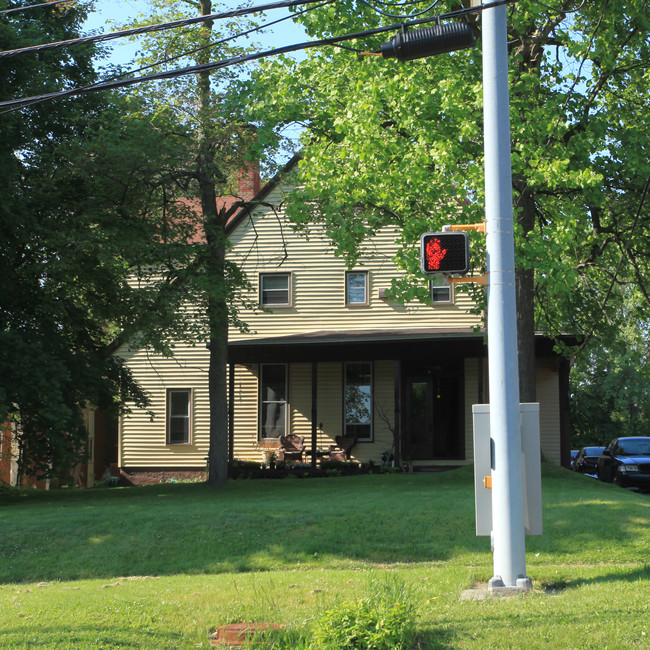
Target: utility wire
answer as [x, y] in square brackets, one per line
[560, 11]
[27, 7]
[100, 38]
[403, 16]
[222, 41]
[244, 58]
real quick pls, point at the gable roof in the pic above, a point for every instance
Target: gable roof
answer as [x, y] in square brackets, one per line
[249, 206]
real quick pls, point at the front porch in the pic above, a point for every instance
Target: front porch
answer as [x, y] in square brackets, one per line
[413, 405]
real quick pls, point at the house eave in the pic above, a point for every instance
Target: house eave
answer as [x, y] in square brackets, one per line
[326, 345]
[350, 345]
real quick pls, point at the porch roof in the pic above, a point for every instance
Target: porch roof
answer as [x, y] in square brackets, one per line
[330, 345]
[351, 345]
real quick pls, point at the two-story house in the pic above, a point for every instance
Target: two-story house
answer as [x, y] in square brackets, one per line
[328, 354]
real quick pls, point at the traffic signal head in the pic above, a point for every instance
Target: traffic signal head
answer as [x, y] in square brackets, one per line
[444, 252]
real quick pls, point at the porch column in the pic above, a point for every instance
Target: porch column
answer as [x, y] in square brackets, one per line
[231, 411]
[314, 411]
[397, 414]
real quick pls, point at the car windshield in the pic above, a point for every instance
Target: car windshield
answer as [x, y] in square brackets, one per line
[631, 447]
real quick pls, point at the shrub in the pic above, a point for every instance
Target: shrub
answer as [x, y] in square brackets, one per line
[381, 620]
[384, 619]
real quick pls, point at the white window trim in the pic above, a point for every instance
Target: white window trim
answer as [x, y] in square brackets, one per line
[261, 402]
[279, 305]
[366, 302]
[168, 415]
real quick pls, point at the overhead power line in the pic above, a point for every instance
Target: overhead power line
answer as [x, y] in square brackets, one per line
[101, 38]
[38, 6]
[222, 41]
[401, 16]
[244, 58]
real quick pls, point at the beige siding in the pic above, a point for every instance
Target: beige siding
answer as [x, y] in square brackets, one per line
[330, 403]
[300, 400]
[384, 413]
[548, 396]
[246, 405]
[143, 436]
[329, 409]
[472, 369]
[317, 304]
[318, 282]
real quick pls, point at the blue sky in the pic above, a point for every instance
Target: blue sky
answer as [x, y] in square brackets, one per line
[121, 11]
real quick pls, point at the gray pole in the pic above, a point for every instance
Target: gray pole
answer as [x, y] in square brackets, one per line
[508, 536]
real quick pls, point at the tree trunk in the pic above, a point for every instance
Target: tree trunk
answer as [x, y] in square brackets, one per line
[525, 291]
[525, 287]
[217, 381]
[214, 226]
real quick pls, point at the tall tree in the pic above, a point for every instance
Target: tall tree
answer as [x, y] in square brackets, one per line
[609, 385]
[214, 149]
[86, 205]
[57, 275]
[392, 143]
[40, 370]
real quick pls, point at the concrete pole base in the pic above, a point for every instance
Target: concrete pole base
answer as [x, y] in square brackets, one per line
[497, 586]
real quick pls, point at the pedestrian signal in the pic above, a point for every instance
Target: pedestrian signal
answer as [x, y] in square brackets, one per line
[444, 252]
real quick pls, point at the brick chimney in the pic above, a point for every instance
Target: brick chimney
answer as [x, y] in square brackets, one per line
[248, 181]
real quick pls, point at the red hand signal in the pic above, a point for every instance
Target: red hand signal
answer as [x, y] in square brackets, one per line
[434, 253]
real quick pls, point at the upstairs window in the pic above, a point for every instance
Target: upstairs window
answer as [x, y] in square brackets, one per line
[179, 416]
[358, 400]
[356, 288]
[275, 289]
[273, 400]
[440, 289]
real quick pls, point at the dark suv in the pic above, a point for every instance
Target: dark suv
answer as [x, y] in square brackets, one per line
[626, 461]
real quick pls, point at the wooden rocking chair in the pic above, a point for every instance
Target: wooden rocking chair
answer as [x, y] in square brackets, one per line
[345, 445]
[292, 447]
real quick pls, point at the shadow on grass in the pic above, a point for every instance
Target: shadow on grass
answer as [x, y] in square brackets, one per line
[87, 636]
[620, 575]
[259, 525]
[435, 639]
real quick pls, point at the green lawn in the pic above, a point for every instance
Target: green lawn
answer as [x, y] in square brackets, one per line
[162, 566]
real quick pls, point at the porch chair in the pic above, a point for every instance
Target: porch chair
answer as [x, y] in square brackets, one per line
[292, 447]
[344, 445]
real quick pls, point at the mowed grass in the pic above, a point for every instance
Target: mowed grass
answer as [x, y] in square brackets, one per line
[163, 566]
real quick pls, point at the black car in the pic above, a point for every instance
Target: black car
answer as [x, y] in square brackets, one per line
[626, 461]
[586, 461]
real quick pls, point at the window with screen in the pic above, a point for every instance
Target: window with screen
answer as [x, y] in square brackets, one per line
[273, 400]
[358, 400]
[440, 289]
[275, 289]
[179, 415]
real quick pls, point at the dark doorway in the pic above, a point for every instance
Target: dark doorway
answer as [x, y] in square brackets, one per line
[433, 424]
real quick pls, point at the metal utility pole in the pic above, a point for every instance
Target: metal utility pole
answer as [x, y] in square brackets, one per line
[508, 534]
[508, 516]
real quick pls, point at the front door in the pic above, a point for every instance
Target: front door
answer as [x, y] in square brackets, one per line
[433, 424]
